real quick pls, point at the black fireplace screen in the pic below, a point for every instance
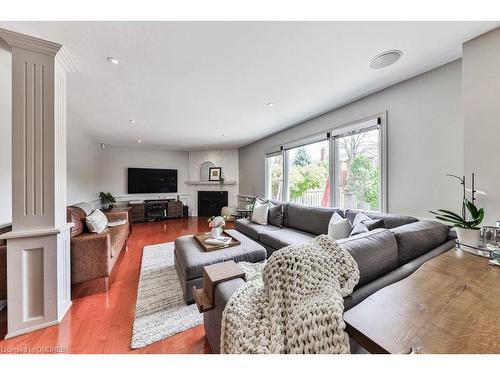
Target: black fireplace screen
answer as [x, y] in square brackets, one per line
[210, 203]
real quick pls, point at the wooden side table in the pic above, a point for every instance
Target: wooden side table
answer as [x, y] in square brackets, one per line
[213, 275]
[137, 213]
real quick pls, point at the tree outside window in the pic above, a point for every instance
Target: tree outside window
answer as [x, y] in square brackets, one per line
[309, 174]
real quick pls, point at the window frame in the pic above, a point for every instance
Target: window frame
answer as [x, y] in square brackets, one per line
[268, 189]
[316, 138]
[357, 127]
[354, 127]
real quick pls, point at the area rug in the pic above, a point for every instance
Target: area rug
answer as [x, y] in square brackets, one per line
[160, 310]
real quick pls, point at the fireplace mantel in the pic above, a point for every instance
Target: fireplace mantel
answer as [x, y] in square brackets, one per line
[211, 183]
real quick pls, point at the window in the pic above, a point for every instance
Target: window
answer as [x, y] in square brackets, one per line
[274, 176]
[309, 174]
[353, 157]
[357, 167]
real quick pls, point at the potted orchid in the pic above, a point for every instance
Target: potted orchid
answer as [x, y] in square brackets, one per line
[217, 224]
[467, 223]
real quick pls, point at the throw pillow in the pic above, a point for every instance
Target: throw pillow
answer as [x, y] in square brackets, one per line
[358, 229]
[374, 223]
[256, 199]
[338, 227]
[359, 218]
[363, 223]
[275, 215]
[96, 221]
[259, 214]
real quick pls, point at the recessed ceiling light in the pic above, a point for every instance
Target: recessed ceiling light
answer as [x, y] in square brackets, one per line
[139, 141]
[385, 59]
[270, 104]
[132, 121]
[112, 60]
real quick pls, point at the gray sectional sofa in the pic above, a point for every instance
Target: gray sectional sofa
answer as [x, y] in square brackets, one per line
[384, 255]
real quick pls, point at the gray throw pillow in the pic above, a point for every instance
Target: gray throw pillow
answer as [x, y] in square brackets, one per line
[367, 225]
[374, 223]
[358, 229]
[359, 218]
[275, 215]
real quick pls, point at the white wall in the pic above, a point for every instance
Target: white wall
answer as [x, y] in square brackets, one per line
[116, 160]
[5, 134]
[83, 166]
[227, 160]
[424, 140]
[481, 114]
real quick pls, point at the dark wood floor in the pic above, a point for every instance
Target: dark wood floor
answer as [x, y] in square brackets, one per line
[100, 322]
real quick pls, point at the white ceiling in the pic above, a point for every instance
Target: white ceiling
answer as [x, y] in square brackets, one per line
[191, 85]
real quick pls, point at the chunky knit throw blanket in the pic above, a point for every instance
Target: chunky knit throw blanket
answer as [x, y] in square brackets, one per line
[292, 304]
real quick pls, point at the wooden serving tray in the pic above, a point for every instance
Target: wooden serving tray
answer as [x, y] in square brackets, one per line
[201, 237]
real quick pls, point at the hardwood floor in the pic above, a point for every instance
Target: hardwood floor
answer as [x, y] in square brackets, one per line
[100, 322]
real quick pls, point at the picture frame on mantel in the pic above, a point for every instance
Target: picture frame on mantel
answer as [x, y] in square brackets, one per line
[214, 174]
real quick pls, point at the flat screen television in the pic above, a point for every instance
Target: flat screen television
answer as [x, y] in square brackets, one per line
[147, 180]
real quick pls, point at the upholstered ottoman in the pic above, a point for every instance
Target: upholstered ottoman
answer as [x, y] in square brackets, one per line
[190, 259]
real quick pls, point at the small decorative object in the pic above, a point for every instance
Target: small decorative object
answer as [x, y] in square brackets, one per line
[467, 224]
[495, 258]
[490, 236]
[107, 199]
[214, 173]
[217, 223]
[495, 255]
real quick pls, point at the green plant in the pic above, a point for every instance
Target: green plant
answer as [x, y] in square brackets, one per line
[302, 158]
[363, 180]
[461, 221]
[307, 177]
[107, 198]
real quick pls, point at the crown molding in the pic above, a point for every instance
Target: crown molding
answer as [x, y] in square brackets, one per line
[66, 61]
[42, 46]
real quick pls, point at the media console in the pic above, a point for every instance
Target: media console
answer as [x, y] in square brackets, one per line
[156, 209]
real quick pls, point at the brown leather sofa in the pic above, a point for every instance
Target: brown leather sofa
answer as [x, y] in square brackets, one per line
[93, 255]
[3, 264]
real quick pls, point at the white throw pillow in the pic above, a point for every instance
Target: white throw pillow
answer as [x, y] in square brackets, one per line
[334, 219]
[96, 221]
[260, 211]
[338, 227]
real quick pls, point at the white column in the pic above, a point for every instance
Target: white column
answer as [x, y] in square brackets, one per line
[38, 248]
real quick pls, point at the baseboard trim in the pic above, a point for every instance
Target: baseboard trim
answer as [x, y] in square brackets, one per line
[65, 310]
[30, 329]
[3, 304]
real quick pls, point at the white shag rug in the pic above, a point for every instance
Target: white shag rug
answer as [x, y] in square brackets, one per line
[160, 310]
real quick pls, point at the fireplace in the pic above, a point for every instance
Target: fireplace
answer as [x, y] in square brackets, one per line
[210, 203]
